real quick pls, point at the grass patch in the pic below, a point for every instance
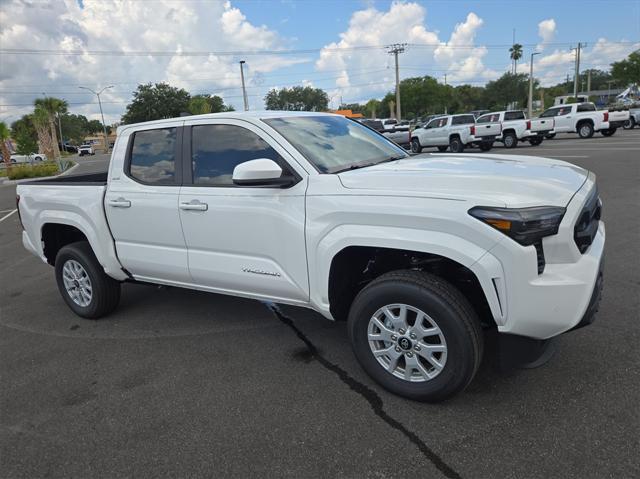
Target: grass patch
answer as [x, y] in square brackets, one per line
[47, 168]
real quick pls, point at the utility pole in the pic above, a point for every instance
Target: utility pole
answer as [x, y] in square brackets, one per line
[445, 91]
[530, 102]
[588, 81]
[244, 90]
[104, 126]
[577, 72]
[395, 49]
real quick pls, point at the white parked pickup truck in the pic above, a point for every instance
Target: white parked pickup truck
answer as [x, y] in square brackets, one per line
[454, 132]
[422, 255]
[584, 119]
[516, 127]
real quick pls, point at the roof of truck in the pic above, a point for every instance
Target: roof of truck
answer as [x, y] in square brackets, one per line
[239, 115]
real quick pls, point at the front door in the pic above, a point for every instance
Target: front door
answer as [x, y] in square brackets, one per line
[242, 240]
[142, 205]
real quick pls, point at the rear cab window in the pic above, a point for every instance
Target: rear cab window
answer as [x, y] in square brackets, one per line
[514, 115]
[586, 107]
[490, 118]
[463, 120]
[152, 157]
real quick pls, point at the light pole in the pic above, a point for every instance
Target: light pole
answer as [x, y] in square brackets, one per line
[530, 102]
[104, 127]
[244, 90]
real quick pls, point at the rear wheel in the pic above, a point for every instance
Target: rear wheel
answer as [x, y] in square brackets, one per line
[442, 148]
[629, 124]
[608, 132]
[510, 139]
[416, 335]
[585, 130]
[486, 145]
[82, 282]
[535, 141]
[456, 145]
[415, 146]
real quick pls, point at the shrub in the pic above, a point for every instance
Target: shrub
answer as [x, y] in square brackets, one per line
[33, 171]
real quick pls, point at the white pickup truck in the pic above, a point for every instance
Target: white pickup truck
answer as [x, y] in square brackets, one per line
[584, 119]
[422, 255]
[86, 149]
[516, 127]
[454, 132]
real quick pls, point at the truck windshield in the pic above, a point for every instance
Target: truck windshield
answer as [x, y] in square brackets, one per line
[334, 143]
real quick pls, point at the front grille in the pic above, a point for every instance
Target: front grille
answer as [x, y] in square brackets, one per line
[587, 224]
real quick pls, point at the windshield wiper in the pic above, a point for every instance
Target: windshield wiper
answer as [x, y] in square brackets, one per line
[392, 158]
[355, 167]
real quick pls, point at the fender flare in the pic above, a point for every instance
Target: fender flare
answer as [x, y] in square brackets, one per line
[485, 266]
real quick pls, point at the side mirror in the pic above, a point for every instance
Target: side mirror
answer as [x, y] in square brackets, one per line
[260, 172]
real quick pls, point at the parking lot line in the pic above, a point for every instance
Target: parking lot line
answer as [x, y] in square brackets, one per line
[7, 215]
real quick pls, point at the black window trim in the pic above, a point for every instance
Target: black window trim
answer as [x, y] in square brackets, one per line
[177, 169]
[187, 152]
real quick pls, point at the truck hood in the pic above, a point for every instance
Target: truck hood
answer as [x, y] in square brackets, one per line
[491, 180]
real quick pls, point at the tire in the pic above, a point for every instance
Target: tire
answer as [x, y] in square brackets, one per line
[535, 141]
[104, 290]
[415, 146]
[608, 132]
[510, 139]
[456, 145]
[457, 329]
[442, 149]
[550, 136]
[486, 145]
[585, 130]
[629, 124]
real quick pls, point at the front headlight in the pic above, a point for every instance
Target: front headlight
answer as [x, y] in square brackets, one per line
[527, 226]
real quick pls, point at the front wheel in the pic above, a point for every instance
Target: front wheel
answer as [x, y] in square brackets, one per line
[82, 282]
[608, 132]
[535, 141]
[456, 145]
[629, 124]
[550, 136]
[486, 145]
[416, 335]
[415, 146]
[442, 149]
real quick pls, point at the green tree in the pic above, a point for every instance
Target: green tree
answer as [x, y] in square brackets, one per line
[354, 107]
[515, 53]
[75, 127]
[627, 71]
[94, 126]
[154, 102]
[51, 107]
[297, 98]
[465, 98]
[202, 104]
[372, 108]
[5, 134]
[599, 79]
[507, 89]
[23, 131]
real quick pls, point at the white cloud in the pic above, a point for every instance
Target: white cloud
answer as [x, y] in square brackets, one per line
[403, 22]
[159, 25]
[546, 31]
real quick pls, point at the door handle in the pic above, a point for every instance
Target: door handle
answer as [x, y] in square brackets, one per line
[194, 205]
[120, 203]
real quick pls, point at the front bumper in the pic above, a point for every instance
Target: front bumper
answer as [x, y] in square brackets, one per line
[594, 303]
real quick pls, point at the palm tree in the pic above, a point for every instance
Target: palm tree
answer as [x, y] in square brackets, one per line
[52, 106]
[5, 134]
[515, 53]
[199, 105]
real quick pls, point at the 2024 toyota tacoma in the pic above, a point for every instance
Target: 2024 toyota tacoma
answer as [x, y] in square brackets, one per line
[420, 254]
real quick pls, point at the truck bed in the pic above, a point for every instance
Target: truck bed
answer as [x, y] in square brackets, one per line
[90, 179]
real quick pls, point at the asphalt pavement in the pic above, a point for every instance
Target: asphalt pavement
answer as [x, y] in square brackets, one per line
[180, 383]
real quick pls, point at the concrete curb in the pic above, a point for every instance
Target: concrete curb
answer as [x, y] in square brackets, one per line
[24, 180]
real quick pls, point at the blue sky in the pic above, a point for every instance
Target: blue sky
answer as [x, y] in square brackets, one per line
[468, 41]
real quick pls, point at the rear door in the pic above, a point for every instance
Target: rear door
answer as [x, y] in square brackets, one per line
[241, 239]
[141, 204]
